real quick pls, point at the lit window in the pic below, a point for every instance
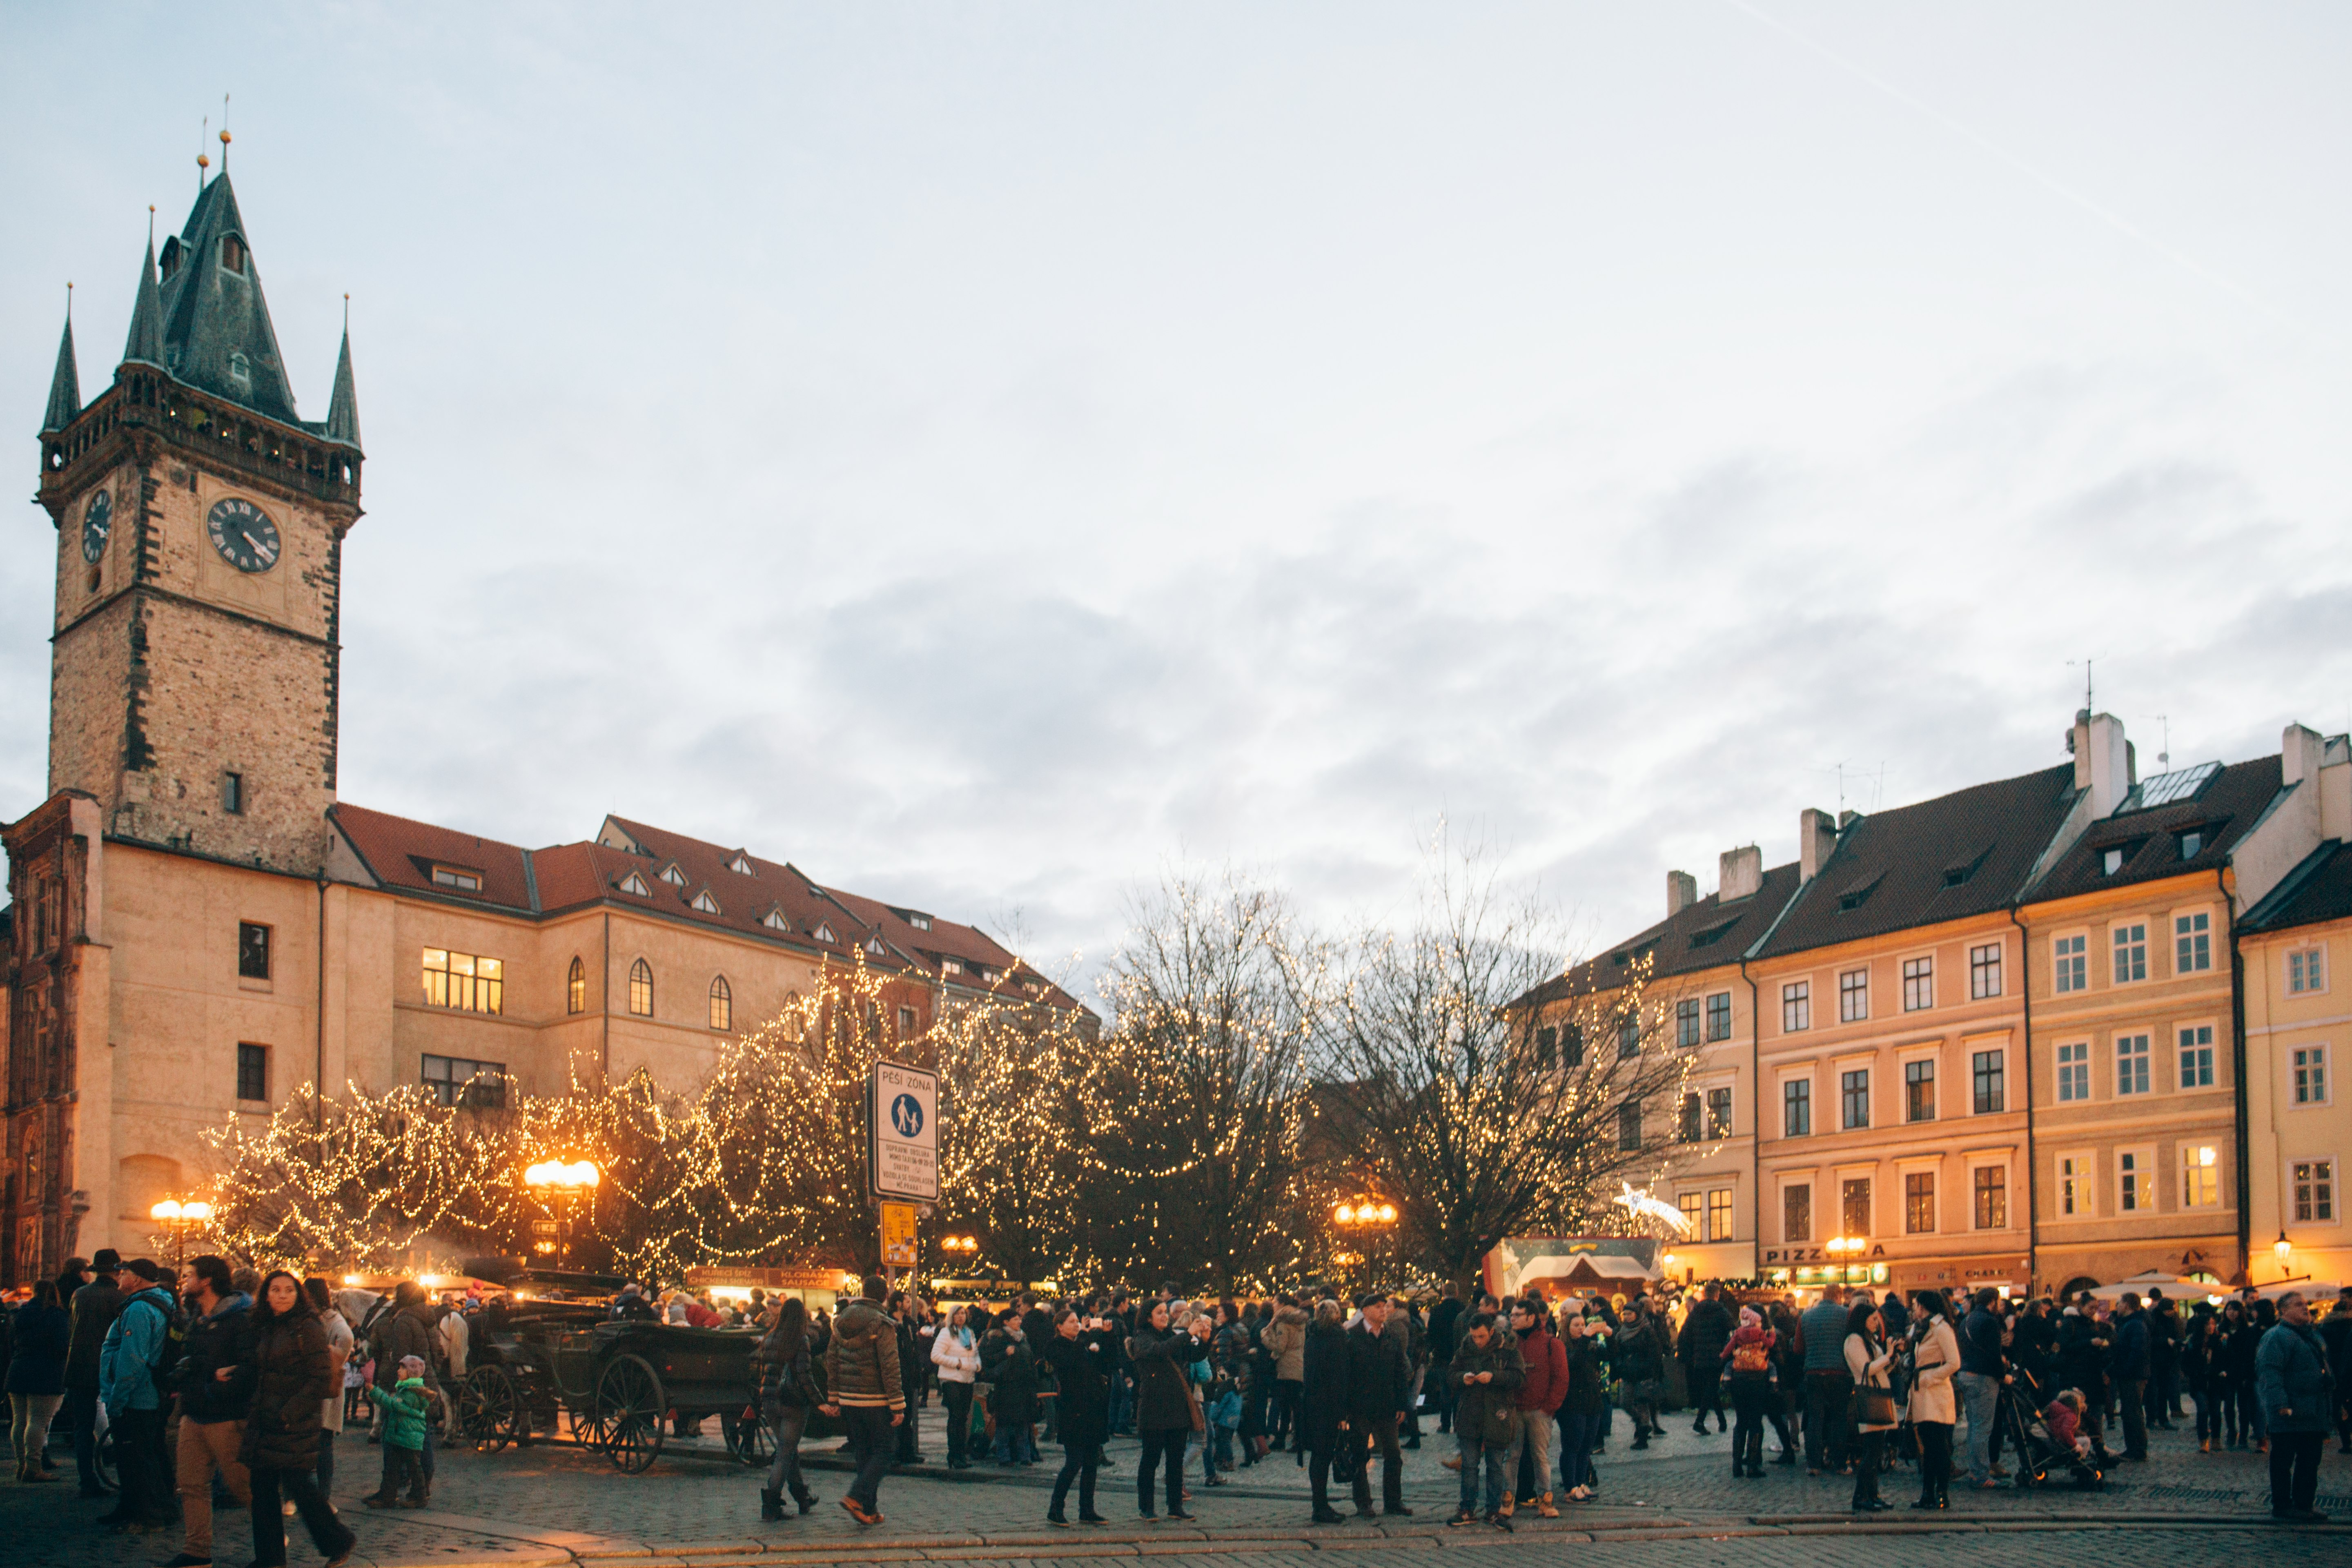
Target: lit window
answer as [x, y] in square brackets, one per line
[2135, 1183]
[2305, 972]
[641, 989]
[1918, 983]
[1919, 1090]
[1854, 1205]
[2311, 1074]
[252, 951]
[575, 988]
[1854, 1097]
[451, 877]
[1718, 1016]
[2131, 953]
[1694, 1209]
[1989, 1071]
[1991, 1192]
[477, 1085]
[1796, 1006]
[1854, 995]
[2314, 1192]
[2131, 1064]
[1719, 1213]
[722, 1005]
[2074, 1186]
[2070, 967]
[233, 794]
[1796, 1108]
[462, 982]
[2192, 941]
[2197, 1057]
[1629, 1127]
[1719, 1113]
[253, 1073]
[1919, 1202]
[2074, 1071]
[2200, 1177]
[1797, 1213]
[704, 902]
[1686, 1024]
[1984, 972]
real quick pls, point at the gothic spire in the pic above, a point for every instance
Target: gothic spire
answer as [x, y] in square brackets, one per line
[65, 386]
[343, 408]
[216, 331]
[146, 341]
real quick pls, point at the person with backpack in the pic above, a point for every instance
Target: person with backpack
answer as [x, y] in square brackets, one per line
[1746, 1357]
[134, 1362]
[215, 1382]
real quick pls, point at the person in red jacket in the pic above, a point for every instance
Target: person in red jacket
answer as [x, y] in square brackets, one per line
[1538, 1400]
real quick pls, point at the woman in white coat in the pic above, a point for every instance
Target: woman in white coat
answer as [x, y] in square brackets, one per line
[956, 1353]
[1934, 1357]
[1867, 1358]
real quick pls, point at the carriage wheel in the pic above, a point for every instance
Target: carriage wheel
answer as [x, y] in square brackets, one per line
[630, 1407]
[490, 1409]
[749, 1441]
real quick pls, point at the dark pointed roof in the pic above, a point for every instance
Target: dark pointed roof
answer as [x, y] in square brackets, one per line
[216, 333]
[146, 341]
[64, 387]
[343, 408]
[2318, 890]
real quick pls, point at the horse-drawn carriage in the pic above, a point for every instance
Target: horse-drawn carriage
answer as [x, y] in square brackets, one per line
[619, 1386]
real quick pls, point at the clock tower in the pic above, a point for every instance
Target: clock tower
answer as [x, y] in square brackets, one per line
[200, 525]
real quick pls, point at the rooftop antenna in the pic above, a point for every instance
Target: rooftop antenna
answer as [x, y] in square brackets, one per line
[224, 134]
[2088, 705]
[2164, 757]
[203, 162]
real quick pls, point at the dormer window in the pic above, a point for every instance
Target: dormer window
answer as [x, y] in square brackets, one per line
[458, 877]
[950, 966]
[169, 262]
[240, 368]
[774, 921]
[633, 883]
[2192, 843]
[823, 932]
[704, 902]
[740, 865]
[873, 945]
[673, 876]
[232, 253]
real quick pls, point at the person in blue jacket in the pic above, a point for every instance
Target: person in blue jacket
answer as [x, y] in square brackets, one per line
[2298, 1394]
[137, 1345]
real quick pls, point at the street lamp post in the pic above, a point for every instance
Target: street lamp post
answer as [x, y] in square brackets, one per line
[180, 1218]
[564, 1186]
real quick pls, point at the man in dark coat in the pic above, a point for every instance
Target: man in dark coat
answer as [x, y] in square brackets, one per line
[1705, 1332]
[1444, 1334]
[1380, 1383]
[1323, 1403]
[1081, 1353]
[215, 1386]
[94, 1307]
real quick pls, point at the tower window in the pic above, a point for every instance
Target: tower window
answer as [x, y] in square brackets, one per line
[253, 1073]
[252, 951]
[240, 368]
[232, 253]
[233, 794]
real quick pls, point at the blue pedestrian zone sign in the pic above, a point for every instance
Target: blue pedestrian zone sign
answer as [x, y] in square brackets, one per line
[903, 1133]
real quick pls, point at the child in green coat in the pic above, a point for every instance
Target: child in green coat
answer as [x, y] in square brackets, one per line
[404, 1411]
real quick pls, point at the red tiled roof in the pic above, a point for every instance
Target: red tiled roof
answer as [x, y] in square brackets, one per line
[402, 853]
[943, 941]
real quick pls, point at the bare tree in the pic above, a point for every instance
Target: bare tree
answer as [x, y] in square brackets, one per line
[1191, 1115]
[1480, 1115]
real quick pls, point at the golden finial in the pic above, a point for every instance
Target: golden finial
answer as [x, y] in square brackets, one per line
[224, 134]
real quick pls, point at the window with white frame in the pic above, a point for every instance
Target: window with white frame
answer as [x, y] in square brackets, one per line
[2131, 953]
[1988, 1073]
[2196, 1055]
[1853, 1097]
[1686, 1022]
[2313, 1182]
[2200, 1177]
[1984, 972]
[1918, 983]
[2193, 942]
[2306, 971]
[2310, 1064]
[1854, 995]
[2131, 1064]
[2075, 1189]
[2135, 1181]
[1796, 1005]
[2074, 1071]
[1796, 1108]
[1718, 1016]
[2069, 964]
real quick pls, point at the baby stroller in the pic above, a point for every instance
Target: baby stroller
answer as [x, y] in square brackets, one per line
[2041, 1460]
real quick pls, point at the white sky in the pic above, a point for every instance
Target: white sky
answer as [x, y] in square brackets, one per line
[989, 453]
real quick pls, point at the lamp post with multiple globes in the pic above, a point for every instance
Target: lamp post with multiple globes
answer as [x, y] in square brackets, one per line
[563, 1186]
[180, 1218]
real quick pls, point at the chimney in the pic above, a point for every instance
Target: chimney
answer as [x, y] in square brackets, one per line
[1681, 892]
[2301, 751]
[1742, 873]
[1817, 833]
[2102, 761]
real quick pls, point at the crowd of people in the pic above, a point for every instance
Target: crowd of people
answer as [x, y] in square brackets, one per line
[217, 1382]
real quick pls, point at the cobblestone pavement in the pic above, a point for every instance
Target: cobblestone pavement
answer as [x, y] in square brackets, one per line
[1677, 1502]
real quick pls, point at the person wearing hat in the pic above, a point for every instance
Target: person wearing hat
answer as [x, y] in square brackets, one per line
[137, 1342]
[93, 1306]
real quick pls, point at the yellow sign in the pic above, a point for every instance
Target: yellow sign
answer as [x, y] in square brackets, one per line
[898, 1235]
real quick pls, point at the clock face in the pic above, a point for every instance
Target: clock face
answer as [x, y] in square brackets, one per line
[96, 524]
[244, 535]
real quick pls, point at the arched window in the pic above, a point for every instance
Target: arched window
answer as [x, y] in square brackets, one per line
[641, 989]
[722, 1004]
[575, 987]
